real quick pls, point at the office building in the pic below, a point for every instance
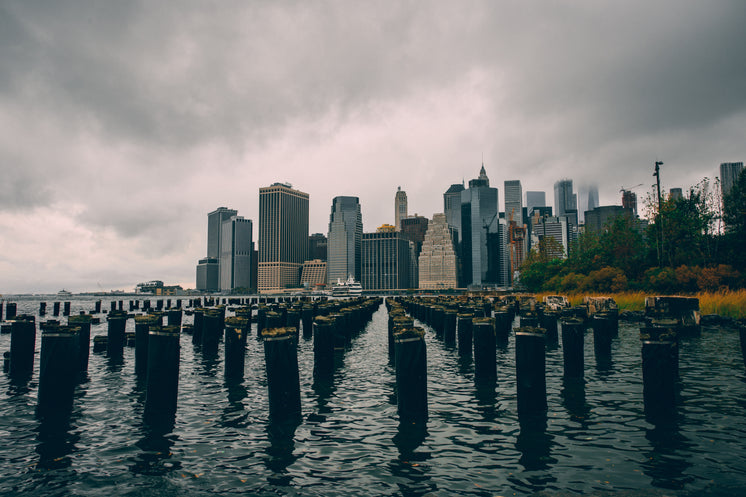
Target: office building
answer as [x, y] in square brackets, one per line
[313, 275]
[729, 172]
[413, 228]
[597, 219]
[437, 260]
[283, 236]
[344, 240]
[215, 221]
[387, 257]
[629, 201]
[676, 194]
[400, 207]
[565, 201]
[514, 202]
[236, 251]
[535, 199]
[556, 228]
[587, 200]
[208, 275]
[480, 260]
[317, 246]
[452, 206]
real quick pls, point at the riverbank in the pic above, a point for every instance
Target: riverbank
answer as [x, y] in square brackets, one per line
[726, 303]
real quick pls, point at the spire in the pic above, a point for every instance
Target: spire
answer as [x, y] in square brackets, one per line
[483, 173]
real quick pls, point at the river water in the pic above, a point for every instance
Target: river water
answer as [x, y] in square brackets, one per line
[594, 439]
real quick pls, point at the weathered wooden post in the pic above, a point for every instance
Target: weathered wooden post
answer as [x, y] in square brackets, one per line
[660, 365]
[283, 381]
[411, 374]
[163, 371]
[485, 350]
[573, 347]
[10, 311]
[323, 347]
[464, 334]
[117, 321]
[236, 329]
[143, 323]
[22, 345]
[58, 368]
[530, 368]
[83, 323]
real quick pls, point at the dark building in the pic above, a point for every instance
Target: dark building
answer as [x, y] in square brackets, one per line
[317, 247]
[208, 275]
[481, 248]
[387, 257]
[596, 219]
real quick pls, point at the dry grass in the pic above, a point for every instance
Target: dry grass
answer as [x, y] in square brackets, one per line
[729, 303]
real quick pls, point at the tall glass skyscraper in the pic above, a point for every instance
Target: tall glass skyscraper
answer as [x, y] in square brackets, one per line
[729, 172]
[400, 207]
[514, 202]
[480, 224]
[215, 221]
[344, 239]
[236, 251]
[283, 236]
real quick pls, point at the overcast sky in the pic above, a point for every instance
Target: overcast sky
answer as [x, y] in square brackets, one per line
[122, 124]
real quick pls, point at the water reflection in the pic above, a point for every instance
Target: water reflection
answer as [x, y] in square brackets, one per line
[158, 438]
[235, 414]
[56, 438]
[534, 443]
[667, 461]
[573, 399]
[486, 395]
[411, 465]
[280, 450]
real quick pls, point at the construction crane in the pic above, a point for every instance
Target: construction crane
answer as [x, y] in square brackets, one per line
[630, 188]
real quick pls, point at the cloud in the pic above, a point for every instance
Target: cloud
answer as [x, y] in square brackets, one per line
[129, 121]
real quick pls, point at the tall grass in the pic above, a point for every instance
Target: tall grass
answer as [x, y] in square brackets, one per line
[728, 303]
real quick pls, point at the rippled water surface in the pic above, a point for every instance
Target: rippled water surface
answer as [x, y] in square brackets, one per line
[594, 438]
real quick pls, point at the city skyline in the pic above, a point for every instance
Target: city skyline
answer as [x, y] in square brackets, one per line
[124, 124]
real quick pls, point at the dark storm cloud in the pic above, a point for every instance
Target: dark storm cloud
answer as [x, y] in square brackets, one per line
[133, 119]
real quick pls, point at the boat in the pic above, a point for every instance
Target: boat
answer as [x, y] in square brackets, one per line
[64, 293]
[347, 288]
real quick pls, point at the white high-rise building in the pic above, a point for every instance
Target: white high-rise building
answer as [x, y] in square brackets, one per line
[437, 261]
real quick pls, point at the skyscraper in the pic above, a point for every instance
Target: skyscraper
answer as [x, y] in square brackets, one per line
[345, 239]
[535, 199]
[387, 257]
[452, 205]
[588, 200]
[208, 268]
[729, 172]
[208, 275]
[283, 236]
[479, 225]
[236, 251]
[215, 221]
[566, 206]
[437, 260]
[514, 202]
[400, 207]
[564, 198]
[317, 247]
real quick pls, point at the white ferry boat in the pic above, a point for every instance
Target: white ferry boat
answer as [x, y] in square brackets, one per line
[347, 288]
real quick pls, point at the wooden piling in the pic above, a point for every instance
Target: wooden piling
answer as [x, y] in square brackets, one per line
[530, 370]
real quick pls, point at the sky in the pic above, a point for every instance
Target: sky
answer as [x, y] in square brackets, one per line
[122, 124]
